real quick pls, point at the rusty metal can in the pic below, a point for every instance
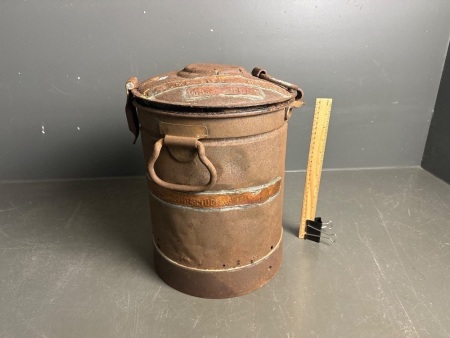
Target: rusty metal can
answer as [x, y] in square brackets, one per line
[214, 140]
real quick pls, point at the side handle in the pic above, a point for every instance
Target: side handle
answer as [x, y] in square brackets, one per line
[189, 142]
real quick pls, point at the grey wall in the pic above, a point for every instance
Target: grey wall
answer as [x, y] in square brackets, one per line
[436, 157]
[63, 65]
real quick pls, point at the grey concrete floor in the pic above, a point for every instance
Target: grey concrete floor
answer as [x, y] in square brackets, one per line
[76, 261]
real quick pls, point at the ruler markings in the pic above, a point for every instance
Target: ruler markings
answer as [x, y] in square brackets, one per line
[315, 161]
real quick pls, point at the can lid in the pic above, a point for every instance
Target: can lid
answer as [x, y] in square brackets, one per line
[211, 86]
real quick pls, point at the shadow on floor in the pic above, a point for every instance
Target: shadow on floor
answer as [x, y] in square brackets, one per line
[119, 215]
[108, 217]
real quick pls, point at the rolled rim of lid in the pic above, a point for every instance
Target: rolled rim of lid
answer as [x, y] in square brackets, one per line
[212, 86]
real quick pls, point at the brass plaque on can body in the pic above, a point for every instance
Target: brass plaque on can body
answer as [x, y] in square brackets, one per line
[221, 199]
[184, 130]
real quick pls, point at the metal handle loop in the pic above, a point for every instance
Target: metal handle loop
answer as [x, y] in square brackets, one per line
[182, 187]
[262, 74]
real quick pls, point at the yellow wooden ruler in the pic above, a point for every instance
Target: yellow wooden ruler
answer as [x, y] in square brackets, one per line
[315, 162]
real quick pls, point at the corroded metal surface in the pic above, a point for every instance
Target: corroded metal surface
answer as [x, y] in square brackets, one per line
[214, 139]
[202, 85]
[222, 283]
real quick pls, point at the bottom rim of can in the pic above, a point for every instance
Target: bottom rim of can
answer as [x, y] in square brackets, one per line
[217, 284]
